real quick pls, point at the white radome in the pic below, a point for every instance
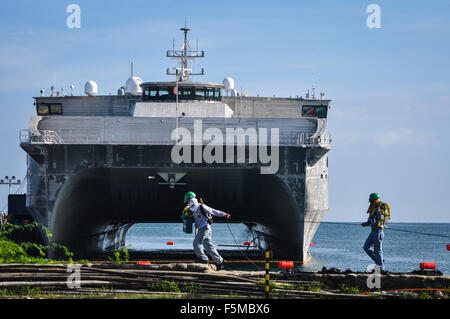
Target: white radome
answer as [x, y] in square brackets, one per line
[133, 85]
[228, 83]
[91, 88]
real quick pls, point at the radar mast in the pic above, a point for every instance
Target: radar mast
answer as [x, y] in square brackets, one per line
[185, 56]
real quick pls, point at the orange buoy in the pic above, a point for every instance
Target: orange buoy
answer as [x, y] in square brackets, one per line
[143, 262]
[448, 246]
[170, 243]
[247, 243]
[311, 244]
[285, 264]
[427, 266]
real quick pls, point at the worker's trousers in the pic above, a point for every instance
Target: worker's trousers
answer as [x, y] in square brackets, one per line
[375, 239]
[203, 239]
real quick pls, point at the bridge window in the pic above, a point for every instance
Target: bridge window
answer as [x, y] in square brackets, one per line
[185, 93]
[151, 92]
[200, 93]
[56, 108]
[164, 93]
[43, 109]
[49, 108]
[209, 92]
[319, 111]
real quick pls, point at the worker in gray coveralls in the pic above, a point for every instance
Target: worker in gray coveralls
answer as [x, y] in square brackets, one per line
[203, 236]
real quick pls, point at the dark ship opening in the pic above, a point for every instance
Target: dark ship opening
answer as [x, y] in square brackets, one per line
[95, 208]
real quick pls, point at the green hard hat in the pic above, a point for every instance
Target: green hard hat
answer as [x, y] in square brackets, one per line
[188, 196]
[373, 196]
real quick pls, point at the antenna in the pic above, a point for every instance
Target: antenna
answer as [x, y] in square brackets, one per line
[185, 55]
[131, 69]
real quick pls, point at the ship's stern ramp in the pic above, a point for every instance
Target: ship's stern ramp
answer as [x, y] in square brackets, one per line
[91, 178]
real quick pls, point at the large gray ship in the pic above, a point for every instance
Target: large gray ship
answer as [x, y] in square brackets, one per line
[97, 164]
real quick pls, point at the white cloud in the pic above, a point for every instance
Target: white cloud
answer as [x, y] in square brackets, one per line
[401, 137]
[390, 138]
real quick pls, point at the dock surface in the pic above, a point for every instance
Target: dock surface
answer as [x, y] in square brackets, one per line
[193, 280]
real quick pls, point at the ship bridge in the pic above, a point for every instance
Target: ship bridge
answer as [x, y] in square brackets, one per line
[187, 91]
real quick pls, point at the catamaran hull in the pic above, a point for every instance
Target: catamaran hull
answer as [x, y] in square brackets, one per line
[90, 195]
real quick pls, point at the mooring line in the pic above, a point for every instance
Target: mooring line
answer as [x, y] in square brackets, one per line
[343, 223]
[229, 229]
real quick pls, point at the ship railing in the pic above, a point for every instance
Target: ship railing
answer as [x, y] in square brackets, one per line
[311, 139]
[40, 137]
[51, 137]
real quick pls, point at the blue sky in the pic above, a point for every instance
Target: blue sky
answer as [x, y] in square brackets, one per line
[390, 86]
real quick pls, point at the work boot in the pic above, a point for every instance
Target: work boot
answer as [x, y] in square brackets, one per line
[220, 266]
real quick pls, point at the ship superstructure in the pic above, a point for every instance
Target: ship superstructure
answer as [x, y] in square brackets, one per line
[98, 164]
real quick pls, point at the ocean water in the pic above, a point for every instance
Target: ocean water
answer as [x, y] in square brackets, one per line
[338, 245]
[334, 244]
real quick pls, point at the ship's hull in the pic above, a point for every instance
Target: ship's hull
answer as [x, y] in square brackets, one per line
[90, 209]
[90, 194]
